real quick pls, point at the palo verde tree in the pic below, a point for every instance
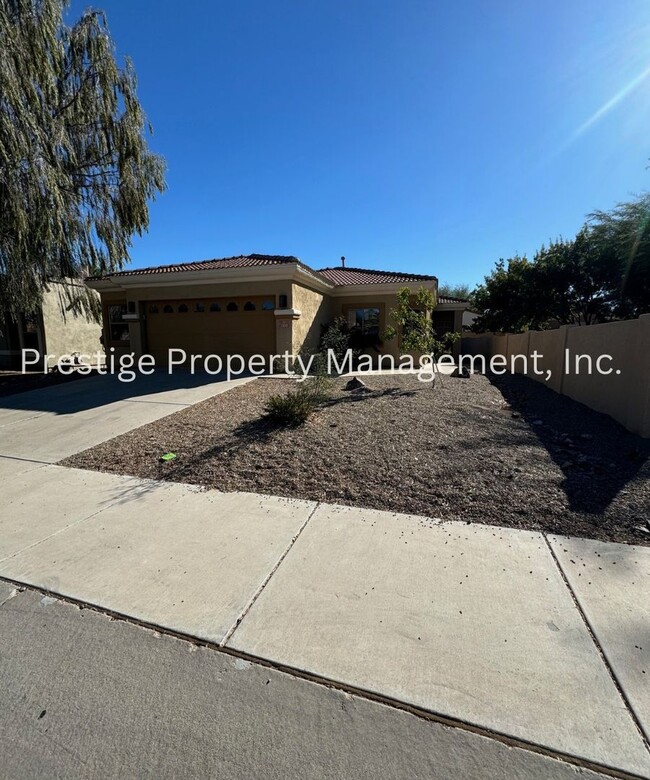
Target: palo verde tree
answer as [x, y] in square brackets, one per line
[76, 173]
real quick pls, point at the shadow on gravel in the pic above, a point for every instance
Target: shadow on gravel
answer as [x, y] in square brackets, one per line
[263, 428]
[597, 456]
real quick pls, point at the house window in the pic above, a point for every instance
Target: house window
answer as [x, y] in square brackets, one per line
[118, 329]
[249, 306]
[215, 307]
[182, 309]
[268, 305]
[232, 306]
[153, 309]
[199, 307]
[168, 309]
[366, 320]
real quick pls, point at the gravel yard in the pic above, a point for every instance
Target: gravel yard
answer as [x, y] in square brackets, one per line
[506, 451]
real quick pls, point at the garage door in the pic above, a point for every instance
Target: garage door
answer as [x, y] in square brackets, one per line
[220, 326]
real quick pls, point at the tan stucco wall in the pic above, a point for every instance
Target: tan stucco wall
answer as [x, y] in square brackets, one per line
[625, 396]
[206, 291]
[315, 311]
[64, 332]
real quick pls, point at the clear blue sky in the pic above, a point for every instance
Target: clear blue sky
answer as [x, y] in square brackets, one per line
[418, 135]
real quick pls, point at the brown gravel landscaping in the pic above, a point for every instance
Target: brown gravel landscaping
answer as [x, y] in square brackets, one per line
[504, 451]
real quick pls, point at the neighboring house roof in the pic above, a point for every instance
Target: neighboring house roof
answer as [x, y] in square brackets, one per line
[341, 276]
[447, 299]
[241, 261]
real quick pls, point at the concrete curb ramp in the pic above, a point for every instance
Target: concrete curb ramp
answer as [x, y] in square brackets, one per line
[475, 624]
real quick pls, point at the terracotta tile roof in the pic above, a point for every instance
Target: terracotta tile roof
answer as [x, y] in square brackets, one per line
[337, 276]
[241, 261]
[341, 276]
[447, 299]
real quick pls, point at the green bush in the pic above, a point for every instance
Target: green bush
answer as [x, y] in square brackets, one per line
[337, 337]
[292, 408]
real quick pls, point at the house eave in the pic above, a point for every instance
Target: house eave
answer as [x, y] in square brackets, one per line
[282, 271]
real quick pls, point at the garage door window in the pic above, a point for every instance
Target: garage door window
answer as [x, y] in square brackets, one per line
[268, 305]
[182, 309]
[232, 306]
[199, 307]
[249, 306]
[215, 307]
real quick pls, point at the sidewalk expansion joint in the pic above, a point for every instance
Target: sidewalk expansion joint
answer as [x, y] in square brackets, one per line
[267, 579]
[361, 693]
[26, 460]
[599, 647]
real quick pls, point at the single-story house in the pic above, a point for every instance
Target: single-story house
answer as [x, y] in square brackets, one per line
[54, 330]
[252, 304]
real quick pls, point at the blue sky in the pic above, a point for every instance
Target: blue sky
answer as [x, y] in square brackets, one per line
[427, 136]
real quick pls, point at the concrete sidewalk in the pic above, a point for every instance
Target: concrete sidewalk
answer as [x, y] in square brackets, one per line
[541, 642]
[485, 627]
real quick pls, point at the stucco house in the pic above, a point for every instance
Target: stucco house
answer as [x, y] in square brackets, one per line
[54, 330]
[252, 304]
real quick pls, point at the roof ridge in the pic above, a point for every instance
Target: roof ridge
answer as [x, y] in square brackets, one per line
[279, 259]
[374, 271]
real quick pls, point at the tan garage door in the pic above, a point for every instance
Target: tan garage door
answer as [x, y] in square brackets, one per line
[220, 326]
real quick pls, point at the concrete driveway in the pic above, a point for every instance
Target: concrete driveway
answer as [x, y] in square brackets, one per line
[51, 423]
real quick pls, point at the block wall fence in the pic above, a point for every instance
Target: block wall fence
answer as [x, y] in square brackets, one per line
[625, 396]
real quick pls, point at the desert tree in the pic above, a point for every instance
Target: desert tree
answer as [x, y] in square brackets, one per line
[412, 321]
[76, 173]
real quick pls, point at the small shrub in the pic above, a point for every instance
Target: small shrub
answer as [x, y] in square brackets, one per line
[292, 408]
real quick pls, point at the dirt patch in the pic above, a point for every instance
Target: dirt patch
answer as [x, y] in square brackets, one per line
[504, 451]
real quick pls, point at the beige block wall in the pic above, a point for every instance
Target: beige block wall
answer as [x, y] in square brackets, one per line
[315, 311]
[517, 344]
[550, 344]
[625, 395]
[64, 332]
[486, 344]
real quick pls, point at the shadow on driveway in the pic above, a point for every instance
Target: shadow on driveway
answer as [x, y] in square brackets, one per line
[95, 391]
